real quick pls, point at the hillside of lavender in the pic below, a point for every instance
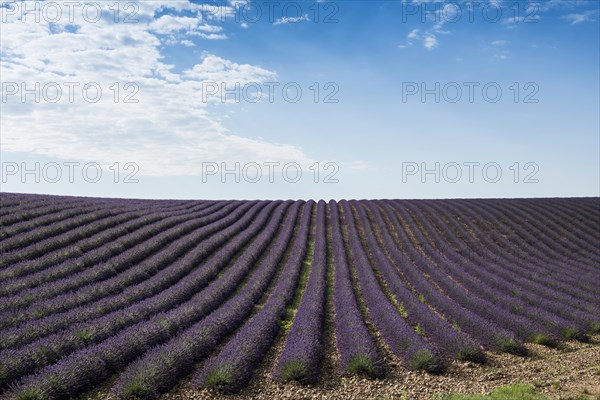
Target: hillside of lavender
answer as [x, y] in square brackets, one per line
[137, 295]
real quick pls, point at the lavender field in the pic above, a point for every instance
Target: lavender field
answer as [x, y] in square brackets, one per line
[137, 296]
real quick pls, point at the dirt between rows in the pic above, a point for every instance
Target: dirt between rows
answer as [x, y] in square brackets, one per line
[571, 372]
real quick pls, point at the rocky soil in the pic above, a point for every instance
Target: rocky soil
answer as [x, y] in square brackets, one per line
[572, 372]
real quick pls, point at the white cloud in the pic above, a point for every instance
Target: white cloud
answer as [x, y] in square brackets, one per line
[428, 39]
[210, 36]
[169, 131]
[575, 19]
[291, 20]
[513, 22]
[558, 4]
[169, 24]
[187, 43]
[438, 16]
[430, 42]
[534, 10]
[499, 43]
[238, 3]
[209, 28]
[413, 35]
[217, 69]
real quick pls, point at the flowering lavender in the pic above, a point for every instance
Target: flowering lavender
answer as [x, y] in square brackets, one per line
[403, 340]
[158, 284]
[232, 367]
[355, 345]
[301, 356]
[40, 353]
[160, 368]
[40, 265]
[450, 342]
[139, 293]
[108, 268]
[470, 314]
[549, 307]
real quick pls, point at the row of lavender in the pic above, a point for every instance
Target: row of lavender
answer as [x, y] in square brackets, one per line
[427, 281]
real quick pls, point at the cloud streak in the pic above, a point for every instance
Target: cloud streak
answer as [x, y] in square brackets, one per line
[291, 20]
[578, 18]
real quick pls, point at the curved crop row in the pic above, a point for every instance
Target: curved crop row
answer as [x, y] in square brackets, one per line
[303, 347]
[92, 250]
[553, 234]
[232, 367]
[524, 328]
[132, 297]
[13, 272]
[60, 295]
[69, 220]
[90, 242]
[81, 369]
[532, 324]
[403, 340]
[20, 219]
[492, 325]
[450, 342]
[355, 345]
[522, 281]
[157, 284]
[526, 235]
[535, 276]
[18, 362]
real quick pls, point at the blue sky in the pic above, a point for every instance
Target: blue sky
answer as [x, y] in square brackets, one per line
[369, 134]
